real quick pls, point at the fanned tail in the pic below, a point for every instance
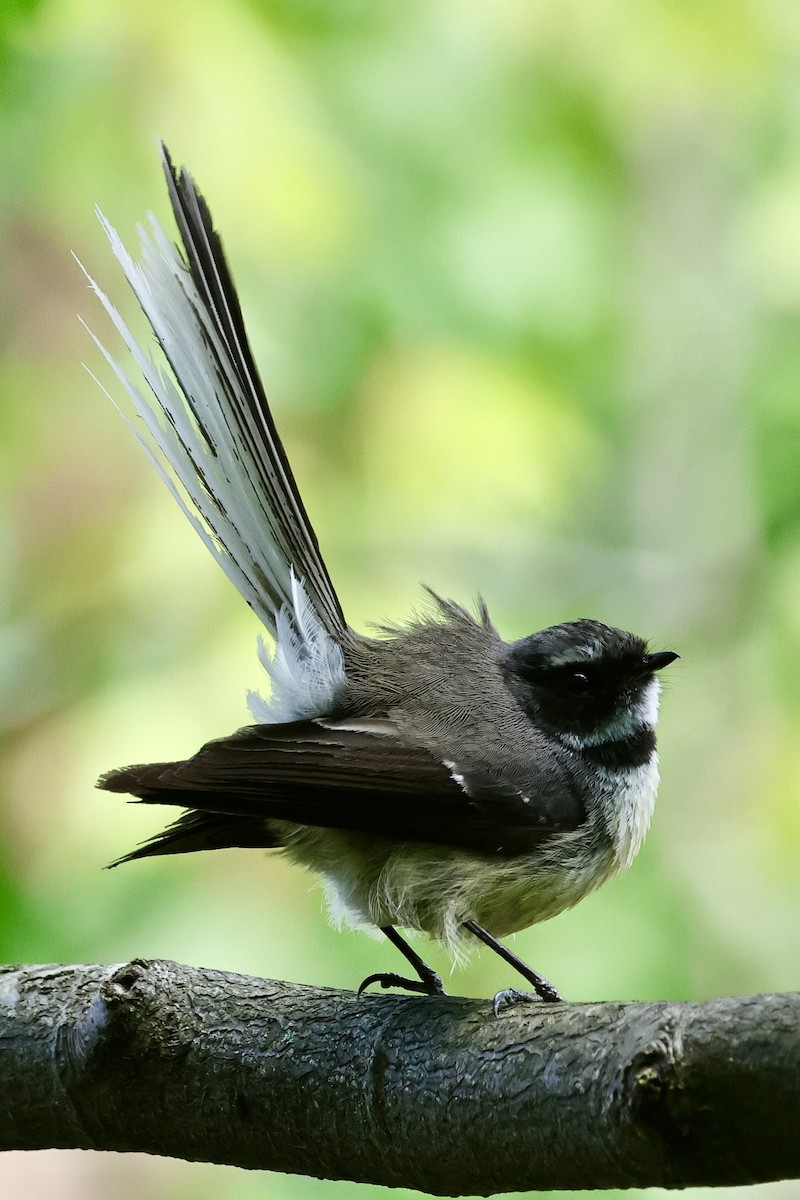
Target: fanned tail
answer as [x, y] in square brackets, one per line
[226, 465]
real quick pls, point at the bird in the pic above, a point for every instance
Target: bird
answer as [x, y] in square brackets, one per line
[438, 778]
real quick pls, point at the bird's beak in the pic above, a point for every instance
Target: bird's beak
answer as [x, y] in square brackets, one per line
[654, 662]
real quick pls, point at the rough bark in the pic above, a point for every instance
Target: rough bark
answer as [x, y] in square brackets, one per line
[429, 1093]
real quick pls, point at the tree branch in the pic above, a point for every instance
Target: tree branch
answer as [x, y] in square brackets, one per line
[429, 1093]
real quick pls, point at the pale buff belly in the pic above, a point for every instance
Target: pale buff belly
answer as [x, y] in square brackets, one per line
[434, 889]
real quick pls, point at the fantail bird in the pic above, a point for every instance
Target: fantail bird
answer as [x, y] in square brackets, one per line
[437, 777]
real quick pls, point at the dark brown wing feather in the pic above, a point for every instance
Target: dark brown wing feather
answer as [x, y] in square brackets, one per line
[339, 777]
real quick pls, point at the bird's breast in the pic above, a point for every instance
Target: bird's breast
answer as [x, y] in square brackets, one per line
[628, 799]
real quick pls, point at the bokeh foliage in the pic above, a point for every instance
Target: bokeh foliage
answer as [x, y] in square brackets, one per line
[524, 282]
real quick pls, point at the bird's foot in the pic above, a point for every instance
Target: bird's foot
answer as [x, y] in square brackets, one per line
[431, 985]
[543, 990]
[511, 996]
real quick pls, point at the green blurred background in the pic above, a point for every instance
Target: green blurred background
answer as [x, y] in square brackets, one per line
[523, 279]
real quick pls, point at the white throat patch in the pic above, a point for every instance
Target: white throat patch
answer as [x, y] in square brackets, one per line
[641, 715]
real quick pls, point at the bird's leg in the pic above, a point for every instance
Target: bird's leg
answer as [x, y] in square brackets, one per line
[428, 983]
[543, 989]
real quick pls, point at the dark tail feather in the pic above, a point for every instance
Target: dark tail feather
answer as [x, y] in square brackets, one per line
[247, 409]
[208, 426]
[204, 831]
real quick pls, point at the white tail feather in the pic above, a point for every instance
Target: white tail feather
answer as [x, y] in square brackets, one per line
[207, 428]
[211, 468]
[306, 668]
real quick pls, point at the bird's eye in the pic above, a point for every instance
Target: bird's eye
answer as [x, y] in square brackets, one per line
[577, 684]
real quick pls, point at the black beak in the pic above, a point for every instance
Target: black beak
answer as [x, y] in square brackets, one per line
[654, 662]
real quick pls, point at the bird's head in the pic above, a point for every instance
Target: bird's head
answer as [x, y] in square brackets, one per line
[585, 682]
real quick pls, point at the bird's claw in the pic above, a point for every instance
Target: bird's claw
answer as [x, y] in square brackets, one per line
[430, 986]
[511, 996]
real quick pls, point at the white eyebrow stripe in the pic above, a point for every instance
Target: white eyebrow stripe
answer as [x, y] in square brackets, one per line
[576, 655]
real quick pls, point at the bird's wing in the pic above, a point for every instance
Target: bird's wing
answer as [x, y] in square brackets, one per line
[356, 775]
[207, 424]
